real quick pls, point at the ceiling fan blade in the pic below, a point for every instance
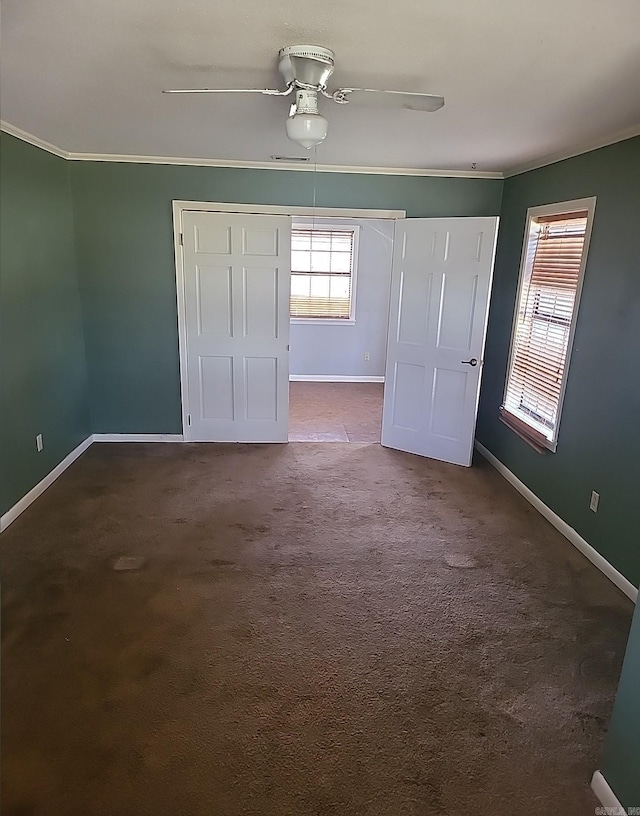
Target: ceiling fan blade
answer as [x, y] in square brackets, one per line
[372, 98]
[265, 91]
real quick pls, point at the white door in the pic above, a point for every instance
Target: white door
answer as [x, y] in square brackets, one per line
[440, 285]
[237, 271]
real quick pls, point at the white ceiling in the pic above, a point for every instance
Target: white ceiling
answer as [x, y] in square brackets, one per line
[522, 80]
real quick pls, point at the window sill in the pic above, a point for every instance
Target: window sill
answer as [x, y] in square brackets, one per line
[322, 321]
[535, 440]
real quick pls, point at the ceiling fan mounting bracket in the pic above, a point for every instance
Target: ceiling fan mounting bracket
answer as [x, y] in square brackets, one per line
[306, 66]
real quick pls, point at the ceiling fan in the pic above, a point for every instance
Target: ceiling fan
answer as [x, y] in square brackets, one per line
[306, 69]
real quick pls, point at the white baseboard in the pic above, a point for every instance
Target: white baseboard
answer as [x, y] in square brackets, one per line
[138, 438]
[334, 378]
[20, 506]
[568, 532]
[607, 797]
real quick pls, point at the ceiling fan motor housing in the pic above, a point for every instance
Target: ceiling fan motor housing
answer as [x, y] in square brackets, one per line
[306, 66]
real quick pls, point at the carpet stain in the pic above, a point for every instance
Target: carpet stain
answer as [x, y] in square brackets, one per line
[599, 665]
[250, 530]
[127, 563]
[461, 561]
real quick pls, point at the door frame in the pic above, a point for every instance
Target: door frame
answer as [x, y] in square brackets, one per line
[179, 207]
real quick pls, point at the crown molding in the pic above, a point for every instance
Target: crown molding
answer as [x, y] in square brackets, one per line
[552, 158]
[246, 165]
[33, 140]
[544, 161]
[281, 165]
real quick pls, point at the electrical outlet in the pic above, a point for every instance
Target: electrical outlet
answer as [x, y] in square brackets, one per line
[367, 356]
[39, 443]
[595, 501]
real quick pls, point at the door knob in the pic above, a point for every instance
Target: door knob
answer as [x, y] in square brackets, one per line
[471, 362]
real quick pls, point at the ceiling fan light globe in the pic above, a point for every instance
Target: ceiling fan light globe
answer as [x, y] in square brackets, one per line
[307, 129]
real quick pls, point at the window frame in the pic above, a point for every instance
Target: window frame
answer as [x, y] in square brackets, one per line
[519, 425]
[325, 224]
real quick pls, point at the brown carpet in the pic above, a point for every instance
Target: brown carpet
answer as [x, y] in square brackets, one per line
[335, 412]
[316, 629]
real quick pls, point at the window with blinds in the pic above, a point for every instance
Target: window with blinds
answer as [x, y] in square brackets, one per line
[322, 272]
[553, 264]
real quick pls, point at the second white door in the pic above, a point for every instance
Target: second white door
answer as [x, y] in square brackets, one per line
[237, 271]
[440, 286]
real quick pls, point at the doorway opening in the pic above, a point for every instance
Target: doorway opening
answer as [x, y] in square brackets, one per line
[335, 411]
[339, 309]
[240, 346]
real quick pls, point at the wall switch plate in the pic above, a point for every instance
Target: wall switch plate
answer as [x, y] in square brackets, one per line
[595, 501]
[39, 443]
[367, 356]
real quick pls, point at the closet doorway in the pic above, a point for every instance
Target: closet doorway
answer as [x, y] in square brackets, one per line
[241, 288]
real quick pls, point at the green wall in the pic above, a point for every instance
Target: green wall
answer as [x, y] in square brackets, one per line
[621, 764]
[43, 379]
[125, 249]
[599, 437]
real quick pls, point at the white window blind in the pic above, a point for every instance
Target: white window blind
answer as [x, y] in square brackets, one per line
[321, 272]
[551, 278]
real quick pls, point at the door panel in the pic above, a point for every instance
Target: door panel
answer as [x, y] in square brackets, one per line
[441, 281]
[447, 397]
[211, 240]
[260, 295]
[236, 292]
[261, 388]
[457, 307]
[216, 387]
[415, 300]
[256, 241]
[408, 386]
[214, 301]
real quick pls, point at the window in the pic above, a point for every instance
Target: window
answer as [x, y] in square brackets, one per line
[553, 261]
[323, 272]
